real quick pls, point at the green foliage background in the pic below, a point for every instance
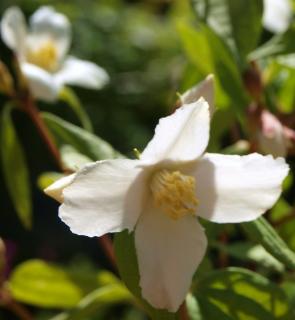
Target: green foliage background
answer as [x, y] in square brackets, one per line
[151, 50]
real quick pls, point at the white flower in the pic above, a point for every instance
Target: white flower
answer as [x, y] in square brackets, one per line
[42, 52]
[277, 15]
[161, 195]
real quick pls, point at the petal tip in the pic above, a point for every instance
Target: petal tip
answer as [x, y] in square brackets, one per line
[56, 189]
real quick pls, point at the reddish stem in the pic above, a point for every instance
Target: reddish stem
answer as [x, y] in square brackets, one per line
[183, 312]
[19, 310]
[107, 246]
[34, 114]
[30, 108]
[223, 257]
[9, 303]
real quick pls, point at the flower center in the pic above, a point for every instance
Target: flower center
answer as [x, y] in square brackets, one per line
[174, 193]
[45, 56]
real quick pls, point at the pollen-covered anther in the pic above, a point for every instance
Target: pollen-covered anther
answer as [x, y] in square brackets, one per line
[45, 56]
[174, 193]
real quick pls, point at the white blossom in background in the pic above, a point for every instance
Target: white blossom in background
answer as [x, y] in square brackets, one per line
[161, 195]
[277, 15]
[42, 52]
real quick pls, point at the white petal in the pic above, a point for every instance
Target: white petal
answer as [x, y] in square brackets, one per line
[203, 89]
[55, 190]
[82, 73]
[183, 136]
[168, 252]
[47, 23]
[13, 29]
[41, 83]
[238, 188]
[105, 196]
[277, 15]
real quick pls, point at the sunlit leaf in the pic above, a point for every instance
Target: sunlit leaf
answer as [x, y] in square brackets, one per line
[246, 20]
[15, 169]
[215, 14]
[279, 45]
[246, 251]
[69, 97]
[47, 178]
[211, 55]
[96, 301]
[193, 308]
[72, 159]
[85, 142]
[48, 285]
[242, 294]
[262, 232]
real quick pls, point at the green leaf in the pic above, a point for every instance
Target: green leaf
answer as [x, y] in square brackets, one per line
[215, 14]
[246, 251]
[15, 169]
[48, 285]
[85, 142]
[128, 268]
[242, 294]
[72, 159]
[69, 97]
[211, 55]
[211, 311]
[196, 47]
[193, 308]
[280, 44]
[226, 70]
[289, 288]
[262, 232]
[95, 301]
[47, 178]
[246, 24]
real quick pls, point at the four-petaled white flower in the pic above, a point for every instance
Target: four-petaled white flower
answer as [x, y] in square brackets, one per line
[42, 52]
[277, 15]
[160, 196]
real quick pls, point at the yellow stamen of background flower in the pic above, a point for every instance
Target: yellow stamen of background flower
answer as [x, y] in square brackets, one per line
[45, 56]
[174, 193]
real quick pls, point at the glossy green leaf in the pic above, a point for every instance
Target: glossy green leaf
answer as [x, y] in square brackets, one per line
[47, 178]
[196, 47]
[226, 70]
[211, 311]
[69, 97]
[72, 159]
[193, 308]
[128, 268]
[246, 21]
[15, 169]
[242, 294]
[211, 55]
[48, 285]
[96, 301]
[85, 142]
[262, 232]
[215, 14]
[280, 44]
[246, 251]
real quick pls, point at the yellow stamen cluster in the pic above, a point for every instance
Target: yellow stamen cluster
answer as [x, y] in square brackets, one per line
[45, 56]
[174, 193]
